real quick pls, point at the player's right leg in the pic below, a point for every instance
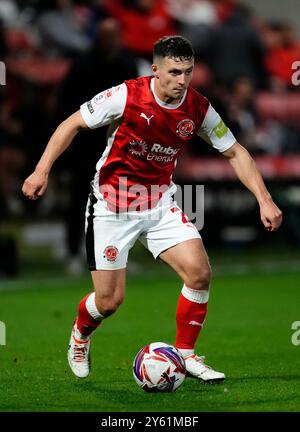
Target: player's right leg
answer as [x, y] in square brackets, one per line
[108, 241]
[109, 289]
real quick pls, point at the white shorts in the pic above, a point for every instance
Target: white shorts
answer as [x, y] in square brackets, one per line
[110, 236]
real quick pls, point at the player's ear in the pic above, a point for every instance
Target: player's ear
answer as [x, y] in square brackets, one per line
[155, 70]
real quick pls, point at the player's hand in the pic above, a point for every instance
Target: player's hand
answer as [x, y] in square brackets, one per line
[270, 215]
[35, 185]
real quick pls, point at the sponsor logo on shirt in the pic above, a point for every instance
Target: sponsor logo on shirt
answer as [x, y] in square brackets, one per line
[143, 115]
[89, 105]
[137, 147]
[221, 129]
[185, 128]
[161, 149]
[158, 152]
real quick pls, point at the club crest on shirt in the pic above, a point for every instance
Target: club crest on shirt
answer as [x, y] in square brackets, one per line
[110, 253]
[90, 107]
[185, 128]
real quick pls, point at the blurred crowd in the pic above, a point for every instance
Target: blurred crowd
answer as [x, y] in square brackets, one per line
[59, 53]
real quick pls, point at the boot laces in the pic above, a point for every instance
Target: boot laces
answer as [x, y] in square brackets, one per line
[79, 353]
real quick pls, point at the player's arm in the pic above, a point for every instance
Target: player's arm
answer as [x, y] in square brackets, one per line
[246, 170]
[35, 185]
[102, 110]
[214, 131]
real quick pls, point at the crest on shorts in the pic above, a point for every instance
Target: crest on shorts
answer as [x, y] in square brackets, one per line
[185, 128]
[110, 253]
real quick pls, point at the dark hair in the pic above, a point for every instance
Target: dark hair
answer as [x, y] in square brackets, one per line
[173, 47]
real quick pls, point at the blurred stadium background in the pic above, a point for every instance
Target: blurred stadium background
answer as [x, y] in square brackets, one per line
[59, 53]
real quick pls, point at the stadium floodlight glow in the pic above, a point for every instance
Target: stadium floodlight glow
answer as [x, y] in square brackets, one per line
[2, 73]
[2, 333]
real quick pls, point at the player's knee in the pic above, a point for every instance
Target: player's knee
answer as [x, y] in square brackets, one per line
[118, 299]
[107, 305]
[198, 278]
[107, 308]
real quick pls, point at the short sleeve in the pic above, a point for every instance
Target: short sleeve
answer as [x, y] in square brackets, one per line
[214, 131]
[105, 107]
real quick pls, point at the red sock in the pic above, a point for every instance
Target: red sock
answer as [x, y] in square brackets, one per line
[86, 324]
[190, 317]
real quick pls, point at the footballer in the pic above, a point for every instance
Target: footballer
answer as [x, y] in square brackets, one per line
[150, 119]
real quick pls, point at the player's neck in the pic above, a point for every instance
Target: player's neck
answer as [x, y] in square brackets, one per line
[163, 96]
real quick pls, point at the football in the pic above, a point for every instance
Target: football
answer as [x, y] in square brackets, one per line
[159, 367]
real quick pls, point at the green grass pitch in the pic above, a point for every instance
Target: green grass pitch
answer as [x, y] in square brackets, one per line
[247, 335]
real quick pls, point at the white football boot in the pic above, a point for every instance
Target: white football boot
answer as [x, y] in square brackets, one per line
[196, 367]
[79, 356]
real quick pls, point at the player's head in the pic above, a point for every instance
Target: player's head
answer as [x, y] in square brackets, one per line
[173, 63]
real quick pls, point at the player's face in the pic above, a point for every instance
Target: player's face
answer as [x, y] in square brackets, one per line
[172, 77]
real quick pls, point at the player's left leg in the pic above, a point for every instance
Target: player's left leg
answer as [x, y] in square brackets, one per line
[190, 261]
[176, 241]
